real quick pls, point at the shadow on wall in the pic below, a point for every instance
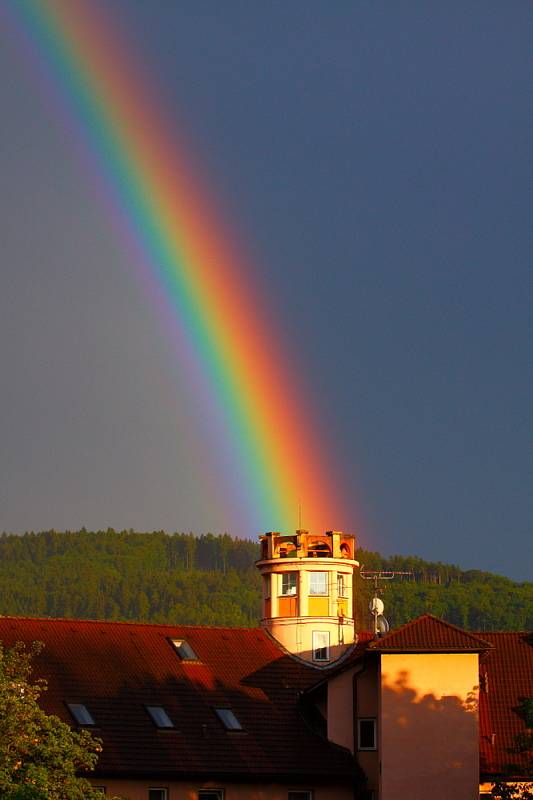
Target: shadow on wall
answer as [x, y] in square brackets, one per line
[431, 738]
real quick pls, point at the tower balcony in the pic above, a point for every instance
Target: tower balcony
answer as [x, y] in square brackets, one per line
[303, 544]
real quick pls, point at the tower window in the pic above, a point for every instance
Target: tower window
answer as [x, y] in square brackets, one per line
[320, 645]
[341, 585]
[345, 550]
[157, 794]
[318, 583]
[288, 583]
[211, 794]
[318, 549]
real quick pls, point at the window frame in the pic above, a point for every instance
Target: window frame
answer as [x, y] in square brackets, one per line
[148, 708]
[341, 582]
[291, 794]
[81, 723]
[221, 793]
[163, 789]
[326, 648]
[312, 592]
[292, 575]
[375, 731]
[184, 650]
[228, 725]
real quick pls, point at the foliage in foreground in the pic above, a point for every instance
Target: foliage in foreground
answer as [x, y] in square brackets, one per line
[40, 755]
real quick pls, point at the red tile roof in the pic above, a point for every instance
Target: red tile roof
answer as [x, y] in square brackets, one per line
[115, 669]
[506, 678]
[429, 634]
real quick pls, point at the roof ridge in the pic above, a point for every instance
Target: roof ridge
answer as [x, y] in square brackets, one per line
[408, 625]
[130, 622]
[502, 633]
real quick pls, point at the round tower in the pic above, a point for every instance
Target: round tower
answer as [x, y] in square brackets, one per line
[308, 592]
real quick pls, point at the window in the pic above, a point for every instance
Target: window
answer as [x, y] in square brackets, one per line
[184, 650]
[228, 719]
[157, 794]
[266, 586]
[341, 585]
[318, 583]
[160, 717]
[366, 734]
[80, 714]
[288, 582]
[211, 794]
[300, 795]
[320, 645]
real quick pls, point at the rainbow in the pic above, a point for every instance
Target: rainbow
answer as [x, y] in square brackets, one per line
[160, 201]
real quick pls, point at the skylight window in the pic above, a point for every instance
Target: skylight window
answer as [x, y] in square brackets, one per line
[80, 713]
[184, 650]
[228, 719]
[160, 717]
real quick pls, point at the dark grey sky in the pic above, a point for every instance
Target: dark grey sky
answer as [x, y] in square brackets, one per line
[374, 158]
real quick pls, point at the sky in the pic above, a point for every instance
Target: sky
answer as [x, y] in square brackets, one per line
[372, 160]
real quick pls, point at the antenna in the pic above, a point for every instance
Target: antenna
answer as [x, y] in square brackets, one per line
[376, 605]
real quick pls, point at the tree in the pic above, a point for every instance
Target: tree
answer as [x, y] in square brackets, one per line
[40, 756]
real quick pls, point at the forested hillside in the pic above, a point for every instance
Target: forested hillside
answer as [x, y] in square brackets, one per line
[211, 580]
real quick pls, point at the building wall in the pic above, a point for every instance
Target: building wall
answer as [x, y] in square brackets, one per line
[138, 790]
[366, 706]
[428, 726]
[339, 710]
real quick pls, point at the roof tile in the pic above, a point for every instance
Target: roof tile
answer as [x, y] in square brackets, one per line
[429, 634]
[116, 668]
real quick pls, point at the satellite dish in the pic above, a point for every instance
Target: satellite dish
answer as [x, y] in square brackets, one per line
[382, 625]
[376, 606]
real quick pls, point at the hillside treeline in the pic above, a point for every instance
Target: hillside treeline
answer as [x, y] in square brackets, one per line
[211, 580]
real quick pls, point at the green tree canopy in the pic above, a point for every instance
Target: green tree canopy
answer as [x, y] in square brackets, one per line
[40, 756]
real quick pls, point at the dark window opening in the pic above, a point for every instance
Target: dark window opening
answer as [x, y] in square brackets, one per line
[367, 734]
[157, 794]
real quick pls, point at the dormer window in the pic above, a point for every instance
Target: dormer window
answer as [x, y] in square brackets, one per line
[228, 719]
[159, 717]
[184, 650]
[80, 713]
